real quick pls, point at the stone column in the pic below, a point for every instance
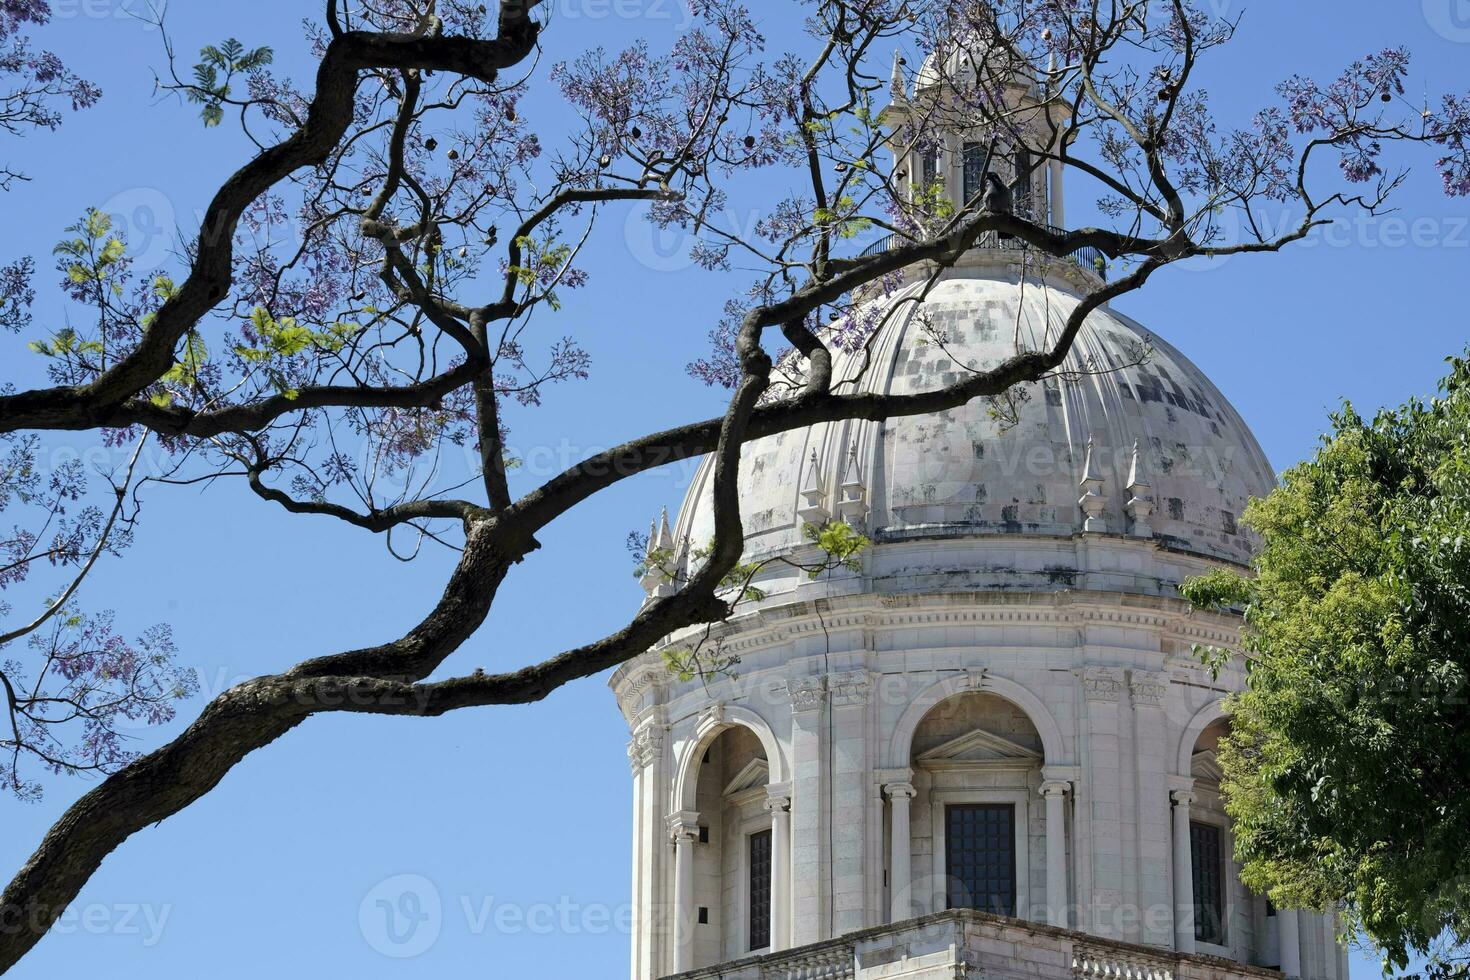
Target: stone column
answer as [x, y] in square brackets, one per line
[778, 801]
[1104, 881]
[1153, 766]
[1055, 792]
[684, 828]
[650, 912]
[1183, 874]
[848, 694]
[1058, 197]
[900, 875]
[809, 777]
[1289, 939]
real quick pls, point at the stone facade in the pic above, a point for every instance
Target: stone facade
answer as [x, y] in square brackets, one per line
[871, 712]
[964, 943]
[1014, 640]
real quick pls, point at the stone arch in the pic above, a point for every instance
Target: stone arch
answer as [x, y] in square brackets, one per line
[715, 720]
[1203, 718]
[1052, 743]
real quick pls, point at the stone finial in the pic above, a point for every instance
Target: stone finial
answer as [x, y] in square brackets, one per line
[659, 560]
[897, 87]
[852, 506]
[653, 574]
[814, 494]
[1092, 501]
[1140, 504]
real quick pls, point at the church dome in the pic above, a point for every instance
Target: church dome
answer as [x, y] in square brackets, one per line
[1171, 461]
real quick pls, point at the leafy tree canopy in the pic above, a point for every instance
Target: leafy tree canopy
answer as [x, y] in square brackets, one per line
[1348, 769]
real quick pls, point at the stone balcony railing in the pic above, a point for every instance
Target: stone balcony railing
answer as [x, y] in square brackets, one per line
[962, 944]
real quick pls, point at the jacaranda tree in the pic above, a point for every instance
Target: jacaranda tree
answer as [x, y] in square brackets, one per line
[440, 226]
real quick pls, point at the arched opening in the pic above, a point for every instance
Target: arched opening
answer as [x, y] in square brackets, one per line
[1228, 918]
[733, 857]
[977, 829]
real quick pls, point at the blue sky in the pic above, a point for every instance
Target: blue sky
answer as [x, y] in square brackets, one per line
[517, 819]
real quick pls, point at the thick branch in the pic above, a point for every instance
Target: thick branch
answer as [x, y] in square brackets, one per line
[328, 118]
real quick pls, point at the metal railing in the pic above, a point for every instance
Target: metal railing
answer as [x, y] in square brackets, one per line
[1087, 257]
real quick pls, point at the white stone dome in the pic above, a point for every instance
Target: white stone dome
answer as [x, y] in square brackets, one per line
[967, 476]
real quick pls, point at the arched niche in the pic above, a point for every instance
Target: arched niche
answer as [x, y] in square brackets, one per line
[977, 829]
[732, 908]
[1053, 745]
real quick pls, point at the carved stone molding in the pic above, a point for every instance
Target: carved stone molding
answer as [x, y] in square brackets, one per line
[1102, 683]
[644, 747]
[1148, 687]
[852, 687]
[683, 825]
[806, 693]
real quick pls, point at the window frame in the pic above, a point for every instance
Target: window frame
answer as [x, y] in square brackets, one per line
[749, 904]
[1221, 939]
[971, 149]
[939, 801]
[1009, 810]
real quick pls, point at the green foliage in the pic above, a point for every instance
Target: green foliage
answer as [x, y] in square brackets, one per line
[1348, 770]
[286, 338]
[842, 219]
[94, 254]
[214, 72]
[839, 542]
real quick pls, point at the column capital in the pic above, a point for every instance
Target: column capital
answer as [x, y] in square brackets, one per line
[1101, 683]
[644, 746]
[778, 797]
[1181, 784]
[902, 790]
[852, 687]
[806, 693]
[1055, 787]
[1148, 687]
[683, 825]
[1182, 797]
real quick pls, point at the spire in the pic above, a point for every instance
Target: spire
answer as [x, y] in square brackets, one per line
[659, 560]
[814, 494]
[1092, 501]
[897, 86]
[852, 507]
[1140, 505]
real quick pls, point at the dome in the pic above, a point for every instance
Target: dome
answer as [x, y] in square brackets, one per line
[1154, 423]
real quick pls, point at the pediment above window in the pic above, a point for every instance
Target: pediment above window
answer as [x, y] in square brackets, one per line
[1206, 765]
[755, 776]
[980, 749]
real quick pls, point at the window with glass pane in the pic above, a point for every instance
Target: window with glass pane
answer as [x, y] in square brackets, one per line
[974, 170]
[1023, 182]
[980, 856]
[760, 890]
[929, 167]
[1209, 898]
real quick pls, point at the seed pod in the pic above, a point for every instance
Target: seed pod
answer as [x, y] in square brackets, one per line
[431, 144]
